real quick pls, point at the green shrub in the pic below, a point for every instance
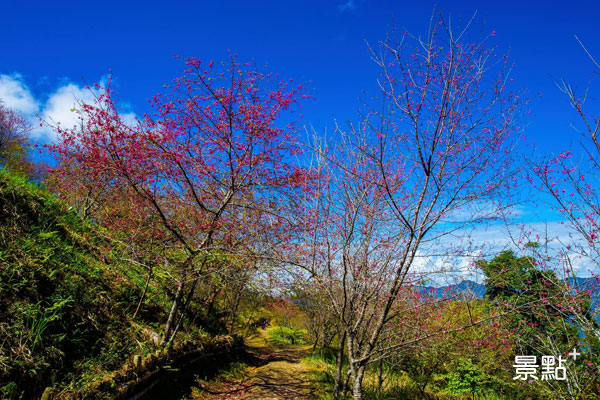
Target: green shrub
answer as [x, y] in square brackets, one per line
[283, 335]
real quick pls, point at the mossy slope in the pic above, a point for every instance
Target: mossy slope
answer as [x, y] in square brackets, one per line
[63, 300]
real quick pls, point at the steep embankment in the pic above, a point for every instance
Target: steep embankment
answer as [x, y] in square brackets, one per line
[67, 301]
[63, 301]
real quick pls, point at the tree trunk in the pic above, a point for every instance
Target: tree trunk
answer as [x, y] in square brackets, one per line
[346, 383]
[327, 339]
[139, 305]
[238, 298]
[183, 310]
[212, 298]
[380, 378]
[337, 388]
[177, 301]
[357, 378]
[173, 312]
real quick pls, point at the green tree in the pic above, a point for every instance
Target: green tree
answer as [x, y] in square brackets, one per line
[14, 142]
[541, 302]
[547, 316]
[467, 378]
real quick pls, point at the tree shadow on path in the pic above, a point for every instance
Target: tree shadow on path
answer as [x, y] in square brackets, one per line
[276, 373]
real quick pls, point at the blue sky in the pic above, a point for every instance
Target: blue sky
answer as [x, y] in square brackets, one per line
[48, 45]
[49, 48]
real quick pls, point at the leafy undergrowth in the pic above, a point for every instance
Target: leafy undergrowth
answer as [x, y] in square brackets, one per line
[283, 335]
[394, 385]
[322, 365]
[61, 309]
[66, 299]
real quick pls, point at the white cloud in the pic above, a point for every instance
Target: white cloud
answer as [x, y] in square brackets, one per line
[129, 118]
[15, 94]
[61, 105]
[56, 108]
[451, 260]
[349, 5]
[446, 270]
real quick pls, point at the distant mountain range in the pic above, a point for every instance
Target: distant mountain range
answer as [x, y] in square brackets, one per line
[477, 290]
[468, 288]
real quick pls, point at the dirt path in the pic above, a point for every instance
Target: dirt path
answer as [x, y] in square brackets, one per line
[277, 374]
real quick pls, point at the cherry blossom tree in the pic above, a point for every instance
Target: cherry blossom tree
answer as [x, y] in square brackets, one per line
[572, 180]
[569, 183]
[213, 168]
[439, 137]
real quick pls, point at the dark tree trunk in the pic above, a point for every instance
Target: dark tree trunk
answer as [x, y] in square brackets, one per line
[338, 388]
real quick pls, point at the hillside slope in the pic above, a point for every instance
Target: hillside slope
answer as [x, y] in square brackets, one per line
[63, 301]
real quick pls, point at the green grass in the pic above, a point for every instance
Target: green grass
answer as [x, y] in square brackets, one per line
[283, 335]
[67, 298]
[397, 385]
[321, 375]
[235, 370]
[59, 304]
[64, 298]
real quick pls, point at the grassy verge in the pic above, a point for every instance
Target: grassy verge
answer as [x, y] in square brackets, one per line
[395, 385]
[282, 335]
[67, 298]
